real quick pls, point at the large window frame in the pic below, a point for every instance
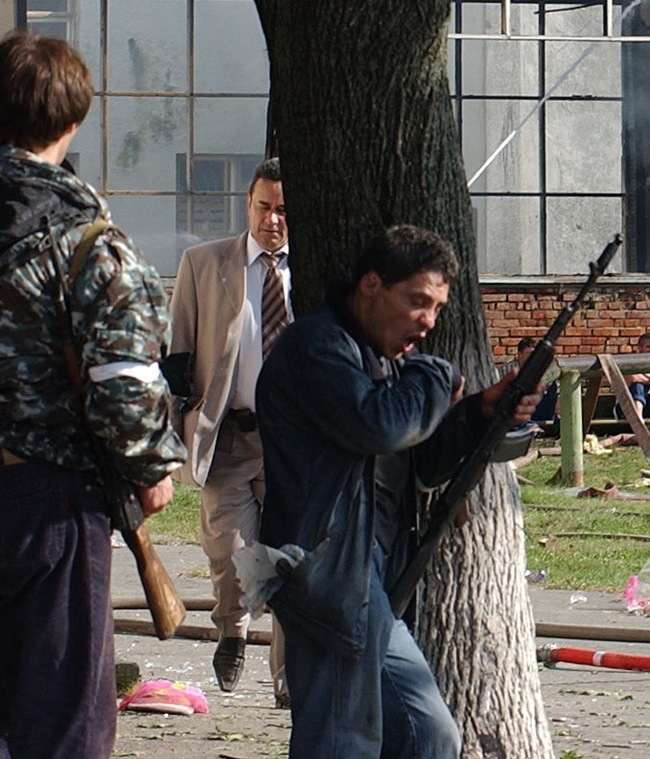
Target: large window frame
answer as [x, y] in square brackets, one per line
[187, 191]
[634, 202]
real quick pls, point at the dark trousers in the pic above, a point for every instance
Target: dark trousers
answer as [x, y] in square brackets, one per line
[57, 676]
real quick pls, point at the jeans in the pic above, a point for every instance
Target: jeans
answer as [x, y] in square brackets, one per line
[57, 676]
[383, 705]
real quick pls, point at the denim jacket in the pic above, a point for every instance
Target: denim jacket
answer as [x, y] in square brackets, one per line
[324, 415]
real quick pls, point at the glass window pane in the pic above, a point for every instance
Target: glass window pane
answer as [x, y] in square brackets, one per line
[573, 20]
[57, 29]
[151, 222]
[500, 67]
[204, 212]
[230, 125]
[583, 143]
[145, 134]
[485, 18]
[583, 68]
[87, 144]
[230, 49]
[58, 6]
[480, 18]
[486, 126]
[209, 174]
[508, 236]
[578, 229]
[88, 29]
[147, 49]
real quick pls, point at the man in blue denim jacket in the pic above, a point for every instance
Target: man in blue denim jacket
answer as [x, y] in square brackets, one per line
[351, 417]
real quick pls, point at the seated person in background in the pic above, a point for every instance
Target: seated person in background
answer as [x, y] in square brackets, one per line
[548, 409]
[638, 383]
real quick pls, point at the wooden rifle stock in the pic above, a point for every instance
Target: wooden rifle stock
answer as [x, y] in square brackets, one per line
[165, 604]
[471, 469]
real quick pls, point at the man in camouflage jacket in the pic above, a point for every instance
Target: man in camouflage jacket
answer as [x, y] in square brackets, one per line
[57, 681]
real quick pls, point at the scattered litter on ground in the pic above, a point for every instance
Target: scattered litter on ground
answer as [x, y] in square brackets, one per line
[610, 491]
[165, 697]
[539, 576]
[637, 592]
[591, 445]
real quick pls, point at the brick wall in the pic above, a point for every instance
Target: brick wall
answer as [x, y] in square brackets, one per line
[611, 319]
[613, 315]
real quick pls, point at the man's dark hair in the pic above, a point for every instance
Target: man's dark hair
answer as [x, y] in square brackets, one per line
[45, 88]
[269, 169]
[525, 342]
[643, 338]
[403, 250]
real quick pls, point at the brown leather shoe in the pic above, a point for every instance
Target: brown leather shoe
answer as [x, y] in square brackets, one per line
[228, 662]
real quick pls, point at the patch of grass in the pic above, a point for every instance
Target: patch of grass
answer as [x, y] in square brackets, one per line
[180, 520]
[581, 563]
[596, 558]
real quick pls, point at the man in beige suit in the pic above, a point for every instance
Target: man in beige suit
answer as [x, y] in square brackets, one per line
[217, 311]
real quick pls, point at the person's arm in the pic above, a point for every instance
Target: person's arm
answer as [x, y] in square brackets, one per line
[121, 315]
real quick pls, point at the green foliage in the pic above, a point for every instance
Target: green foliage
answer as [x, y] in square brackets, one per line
[180, 520]
[593, 557]
[591, 562]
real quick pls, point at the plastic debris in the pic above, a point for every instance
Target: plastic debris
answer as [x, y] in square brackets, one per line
[578, 598]
[591, 445]
[535, 576]
[165, 697]
[637, 592]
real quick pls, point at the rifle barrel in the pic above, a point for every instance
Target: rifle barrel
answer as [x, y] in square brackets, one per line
[471, 469]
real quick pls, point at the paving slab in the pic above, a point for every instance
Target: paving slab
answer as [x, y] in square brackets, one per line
[596, 712]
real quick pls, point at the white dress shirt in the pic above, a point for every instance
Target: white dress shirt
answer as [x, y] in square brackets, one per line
[249, 361]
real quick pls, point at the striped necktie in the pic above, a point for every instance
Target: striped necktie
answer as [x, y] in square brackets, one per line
[275, 315]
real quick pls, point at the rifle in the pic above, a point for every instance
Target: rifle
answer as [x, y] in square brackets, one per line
[165, 604]
[471, 468]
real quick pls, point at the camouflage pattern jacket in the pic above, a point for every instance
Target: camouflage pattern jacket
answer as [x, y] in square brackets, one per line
[119, 319]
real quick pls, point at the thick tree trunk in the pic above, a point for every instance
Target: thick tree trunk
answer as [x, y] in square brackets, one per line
[367, 138]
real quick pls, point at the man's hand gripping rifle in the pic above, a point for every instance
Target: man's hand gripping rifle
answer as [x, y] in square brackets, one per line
[471, 469]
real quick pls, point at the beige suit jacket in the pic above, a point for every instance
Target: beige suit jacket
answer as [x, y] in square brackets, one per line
[207, 308]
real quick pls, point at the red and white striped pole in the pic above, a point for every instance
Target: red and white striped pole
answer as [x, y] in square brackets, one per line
[551, 654]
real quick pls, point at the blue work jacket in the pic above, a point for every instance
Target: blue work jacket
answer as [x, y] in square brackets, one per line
[326, 410]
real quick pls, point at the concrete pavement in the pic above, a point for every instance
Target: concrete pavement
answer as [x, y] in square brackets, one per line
[598, 713]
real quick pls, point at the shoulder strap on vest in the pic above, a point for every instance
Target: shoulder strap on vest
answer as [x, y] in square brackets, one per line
[84, 246]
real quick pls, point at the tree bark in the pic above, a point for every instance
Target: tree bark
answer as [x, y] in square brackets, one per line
[367, 139]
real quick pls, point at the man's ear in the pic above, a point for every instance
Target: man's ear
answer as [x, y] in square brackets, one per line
[369, 283]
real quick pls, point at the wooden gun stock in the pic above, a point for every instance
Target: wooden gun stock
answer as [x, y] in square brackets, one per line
[166, 606]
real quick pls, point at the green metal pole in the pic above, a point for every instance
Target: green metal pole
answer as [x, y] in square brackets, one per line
[571, 428]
